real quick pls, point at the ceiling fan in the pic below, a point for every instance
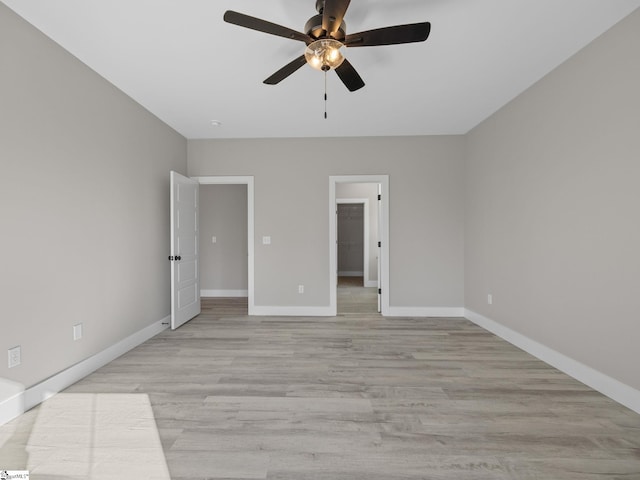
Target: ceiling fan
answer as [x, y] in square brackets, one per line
[325, 34]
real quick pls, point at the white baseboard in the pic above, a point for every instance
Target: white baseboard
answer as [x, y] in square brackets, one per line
[612, 388]
[291, 311]
[23, 400]
[425, 312]
[223, 293]
[11, 400]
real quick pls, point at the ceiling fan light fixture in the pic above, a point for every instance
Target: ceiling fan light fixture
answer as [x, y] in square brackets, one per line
[324, 54]
[325, 34]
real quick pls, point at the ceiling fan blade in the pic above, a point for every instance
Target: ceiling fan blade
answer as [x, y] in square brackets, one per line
[260, 25]
[349, 76]
[414, 32]
[285, 71]
[333, 13]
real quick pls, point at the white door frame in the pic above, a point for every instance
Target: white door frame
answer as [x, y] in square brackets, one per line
[248, 181]
[365, 211]
[383, 230]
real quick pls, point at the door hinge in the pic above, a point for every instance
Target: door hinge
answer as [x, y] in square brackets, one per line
[171, 258]
[379, 291]
[379, 197]
[379, 244]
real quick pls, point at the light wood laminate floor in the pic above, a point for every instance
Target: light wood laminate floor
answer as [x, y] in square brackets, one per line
[354, 297]
[363, 397]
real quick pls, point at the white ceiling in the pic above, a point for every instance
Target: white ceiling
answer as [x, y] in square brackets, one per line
[181, 61]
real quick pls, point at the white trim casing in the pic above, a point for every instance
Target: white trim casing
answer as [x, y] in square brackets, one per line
[248, 181]
[612, 388]
[24, 400]
[223, 293]
[223, 180]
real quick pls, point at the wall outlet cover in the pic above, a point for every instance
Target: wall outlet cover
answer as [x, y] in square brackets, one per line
[77, 331]
[15, 356]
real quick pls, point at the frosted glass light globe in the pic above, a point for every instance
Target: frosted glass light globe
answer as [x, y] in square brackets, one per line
[324, 54]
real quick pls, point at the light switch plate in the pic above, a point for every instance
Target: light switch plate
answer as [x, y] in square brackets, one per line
[266, 240]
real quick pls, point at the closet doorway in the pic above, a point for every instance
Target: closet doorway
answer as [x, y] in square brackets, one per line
[357, 287]
[359, 246]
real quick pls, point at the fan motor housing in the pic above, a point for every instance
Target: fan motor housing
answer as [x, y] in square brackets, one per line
[313, 28]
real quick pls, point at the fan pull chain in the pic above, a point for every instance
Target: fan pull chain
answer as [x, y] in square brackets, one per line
[325, 94]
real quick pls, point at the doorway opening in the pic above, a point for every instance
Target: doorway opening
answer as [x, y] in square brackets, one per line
[357, 235]
[223, 241]
[226, 240]
[359, 246]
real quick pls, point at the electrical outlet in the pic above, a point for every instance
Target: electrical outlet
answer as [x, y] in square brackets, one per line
[490, 299]
[15, 356]
[300, 288]
[214, 240]
[77, 331]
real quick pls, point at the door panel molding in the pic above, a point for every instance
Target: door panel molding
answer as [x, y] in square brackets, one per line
[185, 280]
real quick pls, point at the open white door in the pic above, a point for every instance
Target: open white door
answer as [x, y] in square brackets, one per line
[185, 278]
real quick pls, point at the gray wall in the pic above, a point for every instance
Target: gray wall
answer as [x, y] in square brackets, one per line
[553, 208]
[84, 202]
[292, 206]
[370, 192]
[223, 214]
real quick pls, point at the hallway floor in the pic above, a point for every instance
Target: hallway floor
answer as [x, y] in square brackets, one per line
[354, 298]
